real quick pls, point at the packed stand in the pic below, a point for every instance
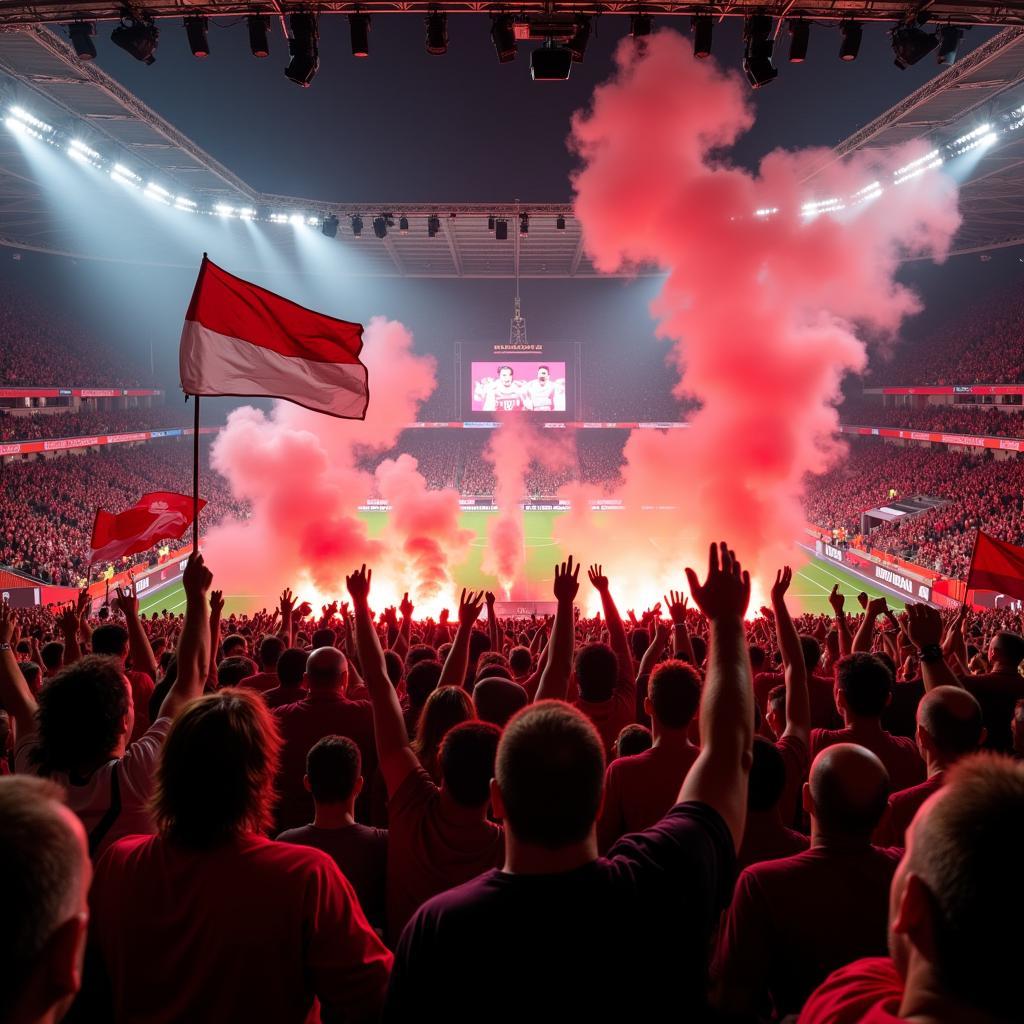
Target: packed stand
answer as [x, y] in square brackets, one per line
[648, 397]
[761, 817]
[975, 420]
[42, 347]
[47, 506]
[84, 422]
[600, 455]
[435, 450]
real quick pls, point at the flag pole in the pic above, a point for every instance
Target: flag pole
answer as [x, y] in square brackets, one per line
[195, 478]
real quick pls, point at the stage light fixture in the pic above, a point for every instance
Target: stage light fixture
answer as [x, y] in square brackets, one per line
[910, 44]
[259, 34]
[197, 29]
[437, 33]
[703, 28]
[359, 30]
[303, 47]
[137, 37]
[403, 225]
[550, 63]
[433, 225]
[501, 230]
[504, 38]
[357, 225]
[524, 224]
[758, 65]
[799, 37]
[560, 222]
[850, 33]
[949, 43]
[330, 226]
[81, 33]
[640, 25]
[577, 45]
[490, 222]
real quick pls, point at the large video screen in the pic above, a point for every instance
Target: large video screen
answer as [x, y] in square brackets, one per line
[515, 385]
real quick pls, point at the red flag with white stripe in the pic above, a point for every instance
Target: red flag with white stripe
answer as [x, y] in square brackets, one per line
[156, 516]
[240, 339]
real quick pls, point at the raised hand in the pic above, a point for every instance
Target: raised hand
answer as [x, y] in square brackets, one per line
[567, 581]
[470, 606]
[862, 599]
[597, 578]
[406, 607]
[490, 598]
[444, 616]
[725, 593]
[924, 625]
[216, 602]
[197, 578]
[7, 623]
[391, 616]
[287, 603]
[67, 620]
[128, 602]
[303, 610]
[330, 610]
[83, 601]
[836, 599]
[676, 603]
[358, 585]
[783, 578]
[877, 606]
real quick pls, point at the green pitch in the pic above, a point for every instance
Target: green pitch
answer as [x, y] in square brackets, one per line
[811, 586]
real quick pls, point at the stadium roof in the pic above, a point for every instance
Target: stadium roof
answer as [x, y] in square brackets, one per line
[986, 85]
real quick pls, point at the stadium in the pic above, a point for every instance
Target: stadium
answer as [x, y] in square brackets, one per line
[262, 333]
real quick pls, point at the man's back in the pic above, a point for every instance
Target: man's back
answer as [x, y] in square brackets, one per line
[997, 692]
[251, 930]
[626, 933]
[899, 754]
[261, 681]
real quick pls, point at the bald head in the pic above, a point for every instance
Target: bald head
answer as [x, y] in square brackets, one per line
[950, 723]
[848, 789]
[326, 669]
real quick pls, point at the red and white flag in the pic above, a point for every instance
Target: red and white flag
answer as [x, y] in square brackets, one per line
[157, 516]
[998, 566]
[240, 339]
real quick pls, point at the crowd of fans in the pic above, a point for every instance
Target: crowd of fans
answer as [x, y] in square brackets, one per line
[724, 810]
[982, 344]
[975, 420]
[83, 422]
[43, 347]
[47, 506]
[983, 493]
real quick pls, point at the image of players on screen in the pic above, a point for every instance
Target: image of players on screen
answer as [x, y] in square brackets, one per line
[518, 387]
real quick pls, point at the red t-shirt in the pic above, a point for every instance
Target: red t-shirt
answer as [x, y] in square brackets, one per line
[252, 930]
[902, 808]
[899, 754]
[321, 713]
[868, 991]
[610, 717]
[640, 790]
[142, 690]
[279, 696]
[432, 848]
[797, 759]
[261, 681]
[996, 692]
[793, 921]
[766, 838]
[820, 693]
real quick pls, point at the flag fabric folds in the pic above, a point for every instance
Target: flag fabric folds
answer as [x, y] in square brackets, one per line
[998, 566]
[157, 516]
[240, 339]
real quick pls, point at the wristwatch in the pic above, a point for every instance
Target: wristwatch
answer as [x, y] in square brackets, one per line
[930, 652]
[4, 646]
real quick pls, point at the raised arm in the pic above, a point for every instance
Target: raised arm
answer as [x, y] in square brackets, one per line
[924, 626]
[138, 643]
[194, 643]
[67, 622]
[401, 647]
[616, 630]
[216, 609]
[798, 706]
[720, 775]
[15, 696]
[656, 648]
[554, 680]
[865, 633]
[682, 646]
[393, 751]
[457, 663]
[837, 600]
[493, 632]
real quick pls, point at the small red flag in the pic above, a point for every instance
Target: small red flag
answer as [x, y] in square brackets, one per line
[157, 516]
[996, 566]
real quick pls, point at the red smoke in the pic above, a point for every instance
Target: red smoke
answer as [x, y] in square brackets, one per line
[299, 472]
[764, 314]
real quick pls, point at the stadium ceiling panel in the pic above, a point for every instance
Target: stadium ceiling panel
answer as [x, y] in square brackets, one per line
[963, 12]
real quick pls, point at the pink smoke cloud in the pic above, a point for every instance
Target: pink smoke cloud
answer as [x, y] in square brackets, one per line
[764, 315]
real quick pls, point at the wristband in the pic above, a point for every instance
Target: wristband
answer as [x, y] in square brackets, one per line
[930, 653]
[5, 646]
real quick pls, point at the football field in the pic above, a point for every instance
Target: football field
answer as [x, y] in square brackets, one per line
[810, 588]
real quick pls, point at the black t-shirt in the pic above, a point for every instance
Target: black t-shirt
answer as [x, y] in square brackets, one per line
[628, 933]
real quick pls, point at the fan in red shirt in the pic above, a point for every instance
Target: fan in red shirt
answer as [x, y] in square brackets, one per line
[961, 868]
[270, 651]
[999, 690]
[863, 689]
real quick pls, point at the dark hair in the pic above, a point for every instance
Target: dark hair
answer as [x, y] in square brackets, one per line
[674, 693]
[110, 639]
[543, 366]
[757, 657]
[32, 675]
[490, 657]
[550, 770]
[479, 642]
[418, 653]
[394, 667]
[633, 739]
[466, 761]
[1010, 646]
[291, 667]
[231, 671]
[505, 366]
[777, 695]
[199, 808]
[41, 864]
[492, 671]
[700, 650]
[865, 683]
[233, 641]
[333, 765]
[639, 641]
[497, 699]
[966, 848]
[444, 709]
[81, 716]
[325, 637]
[767, 776]
[52, 654]
[421, 681]
[812, 651]
[520, 660]
[271, 649]
[597, 669]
